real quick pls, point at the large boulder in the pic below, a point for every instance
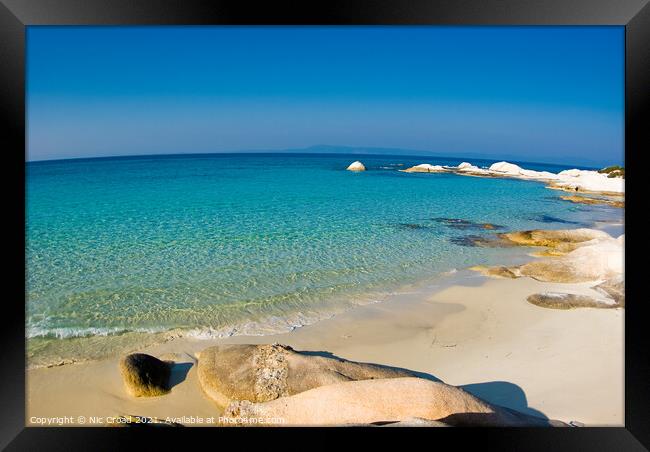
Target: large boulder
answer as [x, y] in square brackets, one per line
[260, 373]
[382, 401]
[356, 166]
[145, 375]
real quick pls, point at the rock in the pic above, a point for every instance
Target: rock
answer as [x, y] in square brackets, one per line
[603, 182]
[588, 181]
[499, 271]
[260, 373]
[564, 240]
[481, 241]
[463, 225]
[583, 255]
[145, 375]
[614, 288]
[597, 201]
[425, 168]
[507, 168]
[383, 401]
[356, 166]
[555, 300]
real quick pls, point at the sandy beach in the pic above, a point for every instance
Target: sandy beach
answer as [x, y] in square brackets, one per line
[470, 331]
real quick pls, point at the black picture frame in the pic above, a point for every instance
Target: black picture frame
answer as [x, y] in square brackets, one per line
[15, 15]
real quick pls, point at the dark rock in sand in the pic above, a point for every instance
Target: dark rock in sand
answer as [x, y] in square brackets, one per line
[259, 373]
[615, 289]
[554, 300]
[145, 375]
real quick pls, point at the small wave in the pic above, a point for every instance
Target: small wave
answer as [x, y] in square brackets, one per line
[67, 333]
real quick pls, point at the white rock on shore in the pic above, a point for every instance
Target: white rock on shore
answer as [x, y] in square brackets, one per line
[425, 168]
[356, 166]
[572, 180]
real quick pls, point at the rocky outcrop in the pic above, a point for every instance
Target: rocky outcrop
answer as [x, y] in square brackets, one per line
[597, 201]
[425, 168]
[576, 255]
[356, 166]
[145, 375]
[259, 373]
[383, 401]
[569, 180]
[561, 240]
[580, 255]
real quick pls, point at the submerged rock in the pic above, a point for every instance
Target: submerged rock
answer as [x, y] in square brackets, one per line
[259, 373]
[145, 375]
[598, 201]
[356, 166]
[555, 300]
[543, 218]
[481, 241]
[459, 223]
[384, 401]
[413, 226]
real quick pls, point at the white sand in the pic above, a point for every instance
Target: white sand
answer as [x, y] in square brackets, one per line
[481, 333]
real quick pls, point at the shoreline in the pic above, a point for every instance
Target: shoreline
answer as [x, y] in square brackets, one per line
[130, 341]
[479, 333]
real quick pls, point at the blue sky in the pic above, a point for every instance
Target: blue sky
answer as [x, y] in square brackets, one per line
[553, 94]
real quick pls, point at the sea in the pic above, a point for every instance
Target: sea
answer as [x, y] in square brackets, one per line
[129, 250]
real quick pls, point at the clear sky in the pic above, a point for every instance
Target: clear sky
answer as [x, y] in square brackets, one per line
[536, 93]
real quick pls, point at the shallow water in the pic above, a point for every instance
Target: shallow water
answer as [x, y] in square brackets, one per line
[208, 243]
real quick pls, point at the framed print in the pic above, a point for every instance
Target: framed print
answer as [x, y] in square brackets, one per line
[353, 214]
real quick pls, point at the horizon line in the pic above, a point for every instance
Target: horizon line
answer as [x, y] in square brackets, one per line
[295, 151]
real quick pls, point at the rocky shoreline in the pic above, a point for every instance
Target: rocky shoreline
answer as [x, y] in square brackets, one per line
[601, 187]
[278, 385]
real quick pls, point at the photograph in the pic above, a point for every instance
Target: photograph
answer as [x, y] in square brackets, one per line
[325, 225]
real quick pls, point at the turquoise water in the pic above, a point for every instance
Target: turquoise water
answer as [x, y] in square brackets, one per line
[207, 242]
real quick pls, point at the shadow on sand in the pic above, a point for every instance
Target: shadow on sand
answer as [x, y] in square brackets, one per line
[178, 373]
[505, 394]
[502, 393]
